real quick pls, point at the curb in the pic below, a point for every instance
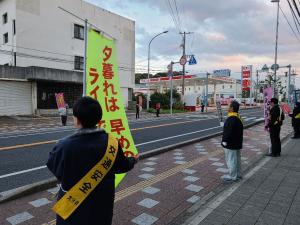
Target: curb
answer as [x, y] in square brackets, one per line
[49, 183]
[183, 219]
[27, 189]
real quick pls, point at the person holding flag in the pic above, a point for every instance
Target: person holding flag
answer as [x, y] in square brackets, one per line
[85, 164]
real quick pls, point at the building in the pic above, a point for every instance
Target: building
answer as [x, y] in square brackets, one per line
[218, 87]
[37, 33]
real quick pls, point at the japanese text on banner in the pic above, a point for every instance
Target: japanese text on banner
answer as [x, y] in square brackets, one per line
[103, 84]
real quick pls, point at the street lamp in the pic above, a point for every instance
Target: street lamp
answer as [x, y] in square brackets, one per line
[148, 86]
[276, 43]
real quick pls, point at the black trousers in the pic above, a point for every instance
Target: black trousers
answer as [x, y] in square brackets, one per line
[296, 130]
[157, 113]
[275, 140]
[137, 114]
[64, 120]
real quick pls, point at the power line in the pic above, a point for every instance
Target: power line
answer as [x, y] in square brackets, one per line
[296, 7]
[178, 15]
[296, 21]
[289, 24]
[16, 46]
[169, 6]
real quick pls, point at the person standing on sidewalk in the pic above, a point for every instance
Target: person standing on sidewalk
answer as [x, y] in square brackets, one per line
[137, 110]
[157, 106]
[85, 164]
[296, 120]
[275, 122]
[232, 142]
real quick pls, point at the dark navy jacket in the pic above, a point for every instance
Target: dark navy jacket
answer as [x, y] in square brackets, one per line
[71, 159]
[233, 133]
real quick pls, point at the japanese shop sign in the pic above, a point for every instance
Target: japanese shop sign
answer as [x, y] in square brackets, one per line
[246, 77]
[103, 84]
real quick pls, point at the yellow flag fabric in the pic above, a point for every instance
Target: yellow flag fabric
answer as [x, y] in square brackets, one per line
[103, 84]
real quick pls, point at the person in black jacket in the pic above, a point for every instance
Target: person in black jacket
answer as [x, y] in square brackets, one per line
[232, 142]
[296, 120]
[274, 124]
[73, 157]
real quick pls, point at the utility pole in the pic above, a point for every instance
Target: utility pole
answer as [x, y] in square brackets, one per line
[257, 86]
[206, 92]
[288, 87]
[183, 55]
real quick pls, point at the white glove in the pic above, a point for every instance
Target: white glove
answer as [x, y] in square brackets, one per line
[224, 143]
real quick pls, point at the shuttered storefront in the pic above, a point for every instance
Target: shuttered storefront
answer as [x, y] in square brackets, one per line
[15, 98]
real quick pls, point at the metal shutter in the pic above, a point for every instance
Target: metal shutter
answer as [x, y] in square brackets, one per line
[15, 98]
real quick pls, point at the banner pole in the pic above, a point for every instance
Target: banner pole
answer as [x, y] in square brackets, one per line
[85, 54]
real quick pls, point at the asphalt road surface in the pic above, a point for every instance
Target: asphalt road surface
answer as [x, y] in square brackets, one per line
[23, 154]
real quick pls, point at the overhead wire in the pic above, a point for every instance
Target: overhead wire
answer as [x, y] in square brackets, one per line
[289, 24]
[178, 15]
[296, 7]
[170, 9]
[296, 21]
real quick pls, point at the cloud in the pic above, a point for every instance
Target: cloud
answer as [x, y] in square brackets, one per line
[225, 33]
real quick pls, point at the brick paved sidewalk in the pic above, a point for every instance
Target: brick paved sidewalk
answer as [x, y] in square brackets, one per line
[271, 196]
[159, 189]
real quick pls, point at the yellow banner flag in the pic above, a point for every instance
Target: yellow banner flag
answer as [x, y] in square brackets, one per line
[103, 84]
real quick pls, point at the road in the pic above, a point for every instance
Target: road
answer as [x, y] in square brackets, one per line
[23, 154]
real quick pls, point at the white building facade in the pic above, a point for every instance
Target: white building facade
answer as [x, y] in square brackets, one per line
[38, 33]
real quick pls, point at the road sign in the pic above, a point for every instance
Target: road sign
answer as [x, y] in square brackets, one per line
[265, 68]
[274, 67]
[182, 60]
[192, 60]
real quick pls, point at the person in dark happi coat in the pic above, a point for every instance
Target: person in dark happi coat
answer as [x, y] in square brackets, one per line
[73, 157]
[274, 124]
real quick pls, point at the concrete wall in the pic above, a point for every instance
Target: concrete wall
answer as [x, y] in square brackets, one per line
[11, 72]
[40, 73]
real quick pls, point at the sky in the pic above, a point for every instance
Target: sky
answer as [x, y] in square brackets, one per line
[224, 34]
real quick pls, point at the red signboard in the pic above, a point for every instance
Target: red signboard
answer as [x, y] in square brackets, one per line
[246, 78]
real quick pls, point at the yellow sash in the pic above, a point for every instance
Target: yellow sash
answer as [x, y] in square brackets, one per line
[77, 194]
[236, 115]
[297, 116]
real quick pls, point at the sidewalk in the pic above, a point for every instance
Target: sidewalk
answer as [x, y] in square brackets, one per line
[160, 189]
[268, 195]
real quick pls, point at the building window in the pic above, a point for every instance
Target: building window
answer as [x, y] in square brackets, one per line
[5, 38]
[4, 18]
[78, 63]
[14, 27]
[78, 32]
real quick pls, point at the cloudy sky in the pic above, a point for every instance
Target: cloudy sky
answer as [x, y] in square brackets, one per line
[226, 34]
